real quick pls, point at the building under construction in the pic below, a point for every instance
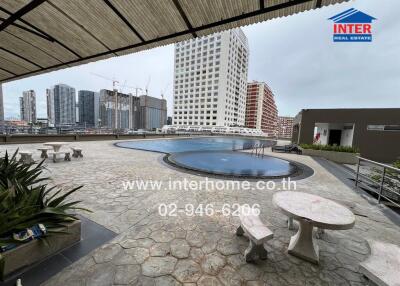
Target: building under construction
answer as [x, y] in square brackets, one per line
[125, 111]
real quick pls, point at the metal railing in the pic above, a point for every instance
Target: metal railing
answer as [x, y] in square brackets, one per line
[258, 150]
[381, 179]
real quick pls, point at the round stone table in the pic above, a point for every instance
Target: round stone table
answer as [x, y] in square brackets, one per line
[311, 210]
[55, 145]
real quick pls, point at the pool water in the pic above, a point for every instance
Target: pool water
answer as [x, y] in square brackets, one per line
[218, 156]
[194, 144]
[233, 164]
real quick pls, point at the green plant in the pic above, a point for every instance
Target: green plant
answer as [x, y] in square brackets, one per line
[347, 149]
[394, 176]
[13, 173]
[25, 200]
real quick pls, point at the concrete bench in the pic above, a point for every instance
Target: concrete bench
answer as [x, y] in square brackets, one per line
[77, 152]
[26, 157]
[43, 153]
[383, 265]
[67, 156]
[257, 232]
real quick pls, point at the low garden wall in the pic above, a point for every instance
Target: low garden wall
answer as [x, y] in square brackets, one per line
[37, 250]
[39, 138]
[338, 157]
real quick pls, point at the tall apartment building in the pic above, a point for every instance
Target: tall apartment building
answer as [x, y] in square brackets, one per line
[285, 126]
[261, 110]
[61, 105]
[27, 106]
[153, 112]
[88, 108]
[1, 104]
[115, 109]
[210, 80]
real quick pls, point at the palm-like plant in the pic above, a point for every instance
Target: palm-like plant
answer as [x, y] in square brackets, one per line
[12, 172]
[26, 200]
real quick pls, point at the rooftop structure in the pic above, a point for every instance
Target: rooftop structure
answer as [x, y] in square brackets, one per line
[374, 131]
[146, 244]
[41, 36]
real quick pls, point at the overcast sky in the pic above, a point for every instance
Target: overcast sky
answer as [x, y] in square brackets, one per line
[294, 55]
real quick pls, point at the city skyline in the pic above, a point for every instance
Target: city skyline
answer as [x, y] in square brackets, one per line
[307, 74]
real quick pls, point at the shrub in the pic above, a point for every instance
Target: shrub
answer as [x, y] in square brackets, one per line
[26, 200]
[13, 173]
[347, 149]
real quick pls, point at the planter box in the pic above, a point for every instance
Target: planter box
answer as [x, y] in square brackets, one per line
[37, 250]
[338, 157]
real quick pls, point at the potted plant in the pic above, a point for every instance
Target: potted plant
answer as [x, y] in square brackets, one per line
[30, 209]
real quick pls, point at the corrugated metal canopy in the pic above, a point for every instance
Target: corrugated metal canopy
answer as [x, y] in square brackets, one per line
[38, 36]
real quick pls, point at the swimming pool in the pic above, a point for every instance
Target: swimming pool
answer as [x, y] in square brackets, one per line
[194, 144]
[233, 164]
[218, 156]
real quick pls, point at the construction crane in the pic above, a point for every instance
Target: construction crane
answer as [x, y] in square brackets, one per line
[136, 88]
[114, 81]
[147, 85]
[131, 116]
[122, 87]
[163, 90]
[115, 90]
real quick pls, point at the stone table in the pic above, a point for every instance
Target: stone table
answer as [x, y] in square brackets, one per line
[55, 145]
[311, 210]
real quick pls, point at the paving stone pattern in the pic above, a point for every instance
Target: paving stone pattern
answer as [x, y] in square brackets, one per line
[201, 250]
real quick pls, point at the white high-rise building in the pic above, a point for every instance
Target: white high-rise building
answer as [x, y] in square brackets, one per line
[210, 80]
[27, 106]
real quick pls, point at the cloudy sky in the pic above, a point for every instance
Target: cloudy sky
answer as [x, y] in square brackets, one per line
[294, 55]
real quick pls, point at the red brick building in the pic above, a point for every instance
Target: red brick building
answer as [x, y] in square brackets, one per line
[261, 110]
[285, 126]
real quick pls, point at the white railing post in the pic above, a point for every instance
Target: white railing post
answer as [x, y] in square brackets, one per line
[381, 185]
[358, 171]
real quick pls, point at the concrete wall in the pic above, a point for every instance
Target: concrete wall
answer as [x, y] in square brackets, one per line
[21, 139]
[383, 146]
[347, 137]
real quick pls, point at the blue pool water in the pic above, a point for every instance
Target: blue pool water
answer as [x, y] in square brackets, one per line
[236, 164]
[194, 144]
[217, 156]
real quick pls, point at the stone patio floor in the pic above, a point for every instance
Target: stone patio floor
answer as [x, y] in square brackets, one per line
[201, 250]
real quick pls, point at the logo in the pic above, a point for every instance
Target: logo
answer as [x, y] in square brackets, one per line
[352, 26]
